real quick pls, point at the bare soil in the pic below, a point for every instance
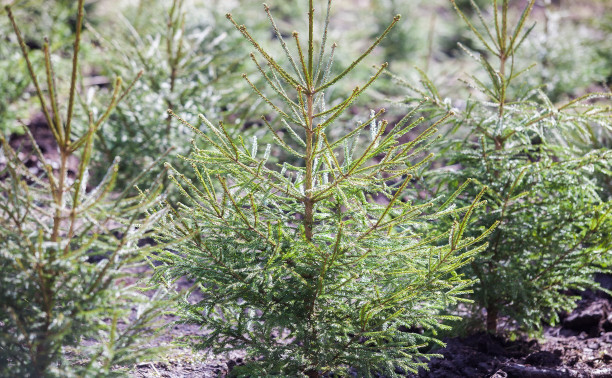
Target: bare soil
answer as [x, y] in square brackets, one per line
[565, 351]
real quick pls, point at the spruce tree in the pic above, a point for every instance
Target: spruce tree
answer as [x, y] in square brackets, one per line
[323, 265]
[545, 189]
[67, 245]
[187, 62]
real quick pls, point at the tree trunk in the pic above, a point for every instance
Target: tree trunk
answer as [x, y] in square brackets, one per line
[312, 374]
[492, 319]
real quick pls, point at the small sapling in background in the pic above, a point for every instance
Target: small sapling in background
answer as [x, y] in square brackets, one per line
[543, 186]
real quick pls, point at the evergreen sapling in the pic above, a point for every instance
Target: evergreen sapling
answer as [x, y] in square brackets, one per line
[322, 265]
[186, 63]
[545, 190]
[66, 305]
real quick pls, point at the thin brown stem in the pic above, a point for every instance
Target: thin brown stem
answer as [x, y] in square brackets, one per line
[310, 43]
[75, 69]
[492, 314]
[308, 200]
[59, 198]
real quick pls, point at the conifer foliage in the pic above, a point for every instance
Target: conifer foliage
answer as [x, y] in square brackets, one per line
[324, 264]
[186, 61]
[66, 305]
[555, 219]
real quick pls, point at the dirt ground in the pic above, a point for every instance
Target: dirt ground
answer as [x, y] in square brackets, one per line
[580, 347]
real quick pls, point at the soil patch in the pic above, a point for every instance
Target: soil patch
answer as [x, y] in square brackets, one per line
[580, 347]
